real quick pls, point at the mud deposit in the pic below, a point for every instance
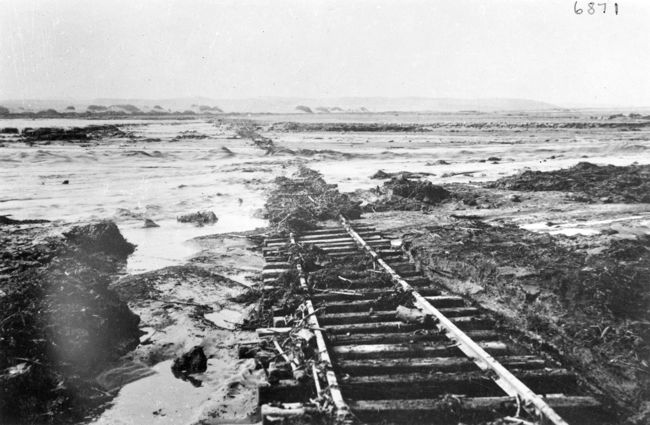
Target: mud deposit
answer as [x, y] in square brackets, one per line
[184, 308]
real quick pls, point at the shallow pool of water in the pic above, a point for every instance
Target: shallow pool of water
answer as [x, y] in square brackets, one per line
[161, 398]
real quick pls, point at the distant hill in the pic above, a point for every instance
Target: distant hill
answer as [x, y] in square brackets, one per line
[379, 104]
[288, 105]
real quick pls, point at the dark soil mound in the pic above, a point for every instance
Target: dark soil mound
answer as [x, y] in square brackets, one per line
[103, 237]
[71, 134]
[403, 194]
[4, 219]
[591, 308]
[59, 322]
[300, 202]
[607, 183]
[424, 191]
[194, 361]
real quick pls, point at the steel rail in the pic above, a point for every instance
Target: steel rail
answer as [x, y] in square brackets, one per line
[342, 410]
[504, 379]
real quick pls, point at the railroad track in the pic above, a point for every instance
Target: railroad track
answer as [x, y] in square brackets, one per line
[375, 368]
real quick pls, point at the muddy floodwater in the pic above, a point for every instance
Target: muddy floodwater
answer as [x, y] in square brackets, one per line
[162, 169]
[128, 180]
[168, 168]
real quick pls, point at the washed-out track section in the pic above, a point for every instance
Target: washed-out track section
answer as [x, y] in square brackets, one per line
[388, 371]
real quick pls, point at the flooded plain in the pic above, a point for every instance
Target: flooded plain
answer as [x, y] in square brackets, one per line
[161, 169]
[166, 168]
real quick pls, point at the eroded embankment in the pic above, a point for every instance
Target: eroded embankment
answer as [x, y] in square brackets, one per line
[583, 299]
[59, 322]
[589, 306]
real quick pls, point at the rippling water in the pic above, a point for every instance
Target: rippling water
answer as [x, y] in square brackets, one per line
[129, 180]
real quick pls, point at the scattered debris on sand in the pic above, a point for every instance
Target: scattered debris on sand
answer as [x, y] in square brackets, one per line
[589, 182]
[59, 322]
[200, 218]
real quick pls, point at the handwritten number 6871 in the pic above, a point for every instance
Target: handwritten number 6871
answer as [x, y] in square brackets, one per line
[592, 8]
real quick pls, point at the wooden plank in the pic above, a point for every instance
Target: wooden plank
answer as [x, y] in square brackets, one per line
[365, 293]
[480, 409]
[342, 237]
[426, 365]
[476, 383]
[382, 327]
[276, 265]
[385, 315]
[286, 412]
[445, 300]
[375, 243]
[379, 351]
[363, 317]
[274, 272]
[397, 326]
[266, 332]
[405, 337]
[288, 390]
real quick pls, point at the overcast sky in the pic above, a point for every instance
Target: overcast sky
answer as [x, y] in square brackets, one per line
[536, 49]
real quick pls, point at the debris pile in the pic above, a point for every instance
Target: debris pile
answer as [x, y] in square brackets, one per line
[590, 182]
[403, 194]
[199, 218]
[248, 130]
[300, 202]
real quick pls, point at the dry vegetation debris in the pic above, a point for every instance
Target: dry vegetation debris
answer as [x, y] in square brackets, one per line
[300, 202]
